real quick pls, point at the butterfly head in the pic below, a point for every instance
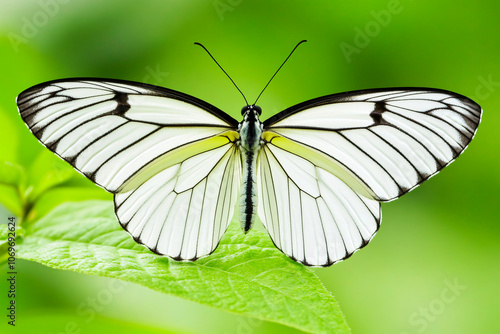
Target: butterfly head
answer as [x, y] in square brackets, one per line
[251, 110]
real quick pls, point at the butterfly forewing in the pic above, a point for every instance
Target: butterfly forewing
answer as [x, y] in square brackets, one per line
[391, 141]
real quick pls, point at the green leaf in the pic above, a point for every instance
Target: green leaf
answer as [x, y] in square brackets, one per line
[246, 274]
[12, 174]
[6, 235]
[6, 230]
[12, 184]
[58, 195]
[10, 200]
[46, 172]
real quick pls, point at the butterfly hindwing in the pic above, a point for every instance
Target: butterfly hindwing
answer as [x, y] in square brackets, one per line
[311, 215]
[184, 210]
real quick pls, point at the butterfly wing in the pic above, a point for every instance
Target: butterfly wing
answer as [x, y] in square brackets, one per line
[184, 210]
[357, 149]
[311, 214]
[169, 158]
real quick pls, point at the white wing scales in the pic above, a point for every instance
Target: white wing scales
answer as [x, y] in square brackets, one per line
[109, 131]
[184, 210]
[328, 162]
[311, 215]
[170, 159]
[174, 166]
[392, 142]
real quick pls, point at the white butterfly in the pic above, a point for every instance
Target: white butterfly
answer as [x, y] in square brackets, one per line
[314, 173]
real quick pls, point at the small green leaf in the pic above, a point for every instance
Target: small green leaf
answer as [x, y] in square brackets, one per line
[58, 195]
[12, 174]
[12, 184]
[4, 233]
[9, 236]
[245, 275]
[46, 172]
[10, 200]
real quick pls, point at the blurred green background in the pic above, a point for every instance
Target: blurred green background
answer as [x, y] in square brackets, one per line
[444, 234]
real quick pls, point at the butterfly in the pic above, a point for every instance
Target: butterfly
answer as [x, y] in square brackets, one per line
[315, 173]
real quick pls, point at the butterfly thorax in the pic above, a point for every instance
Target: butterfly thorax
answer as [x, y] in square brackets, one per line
[250, 130]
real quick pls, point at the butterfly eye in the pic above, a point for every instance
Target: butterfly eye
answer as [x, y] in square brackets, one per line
[244, 110]
[253, 107]
[258, 109]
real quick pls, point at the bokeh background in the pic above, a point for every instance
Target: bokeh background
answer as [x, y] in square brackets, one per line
[434, 265]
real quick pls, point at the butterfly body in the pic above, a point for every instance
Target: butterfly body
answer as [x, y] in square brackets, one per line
[315, 173]
[250, 131]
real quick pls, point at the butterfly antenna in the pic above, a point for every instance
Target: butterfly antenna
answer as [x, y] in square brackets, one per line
[239, 90]
[296, 46]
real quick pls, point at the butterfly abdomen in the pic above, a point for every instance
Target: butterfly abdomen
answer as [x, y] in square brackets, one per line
[248, 199]
[250, 132]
